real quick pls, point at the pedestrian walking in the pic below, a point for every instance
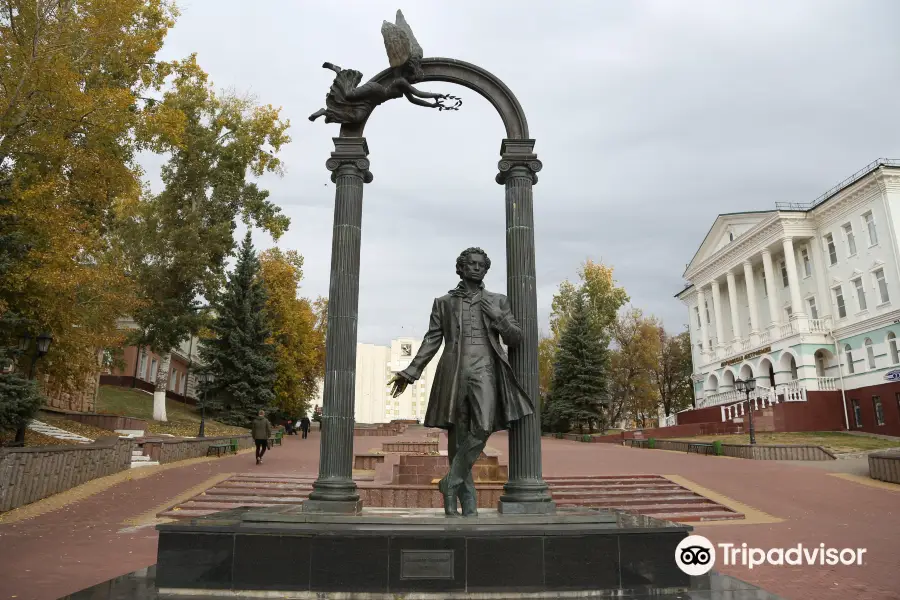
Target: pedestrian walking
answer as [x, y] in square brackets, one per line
[261, 430]
[304, 426]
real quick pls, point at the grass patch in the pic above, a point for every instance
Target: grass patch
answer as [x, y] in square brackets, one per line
[184, 419]
[835, 441]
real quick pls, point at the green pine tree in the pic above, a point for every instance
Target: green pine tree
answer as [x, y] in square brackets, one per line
[20, 399]
[578, 388]
[239, 357]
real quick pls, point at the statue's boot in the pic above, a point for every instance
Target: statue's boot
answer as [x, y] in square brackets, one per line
[449, 494]
[468, 498]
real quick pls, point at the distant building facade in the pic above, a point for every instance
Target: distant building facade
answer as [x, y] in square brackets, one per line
[138, 367]
[805, 299]
[375, 366]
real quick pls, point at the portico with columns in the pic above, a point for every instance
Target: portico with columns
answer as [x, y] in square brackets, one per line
[805, 299]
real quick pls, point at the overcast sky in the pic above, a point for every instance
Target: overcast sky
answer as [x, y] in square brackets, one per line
[651, 117]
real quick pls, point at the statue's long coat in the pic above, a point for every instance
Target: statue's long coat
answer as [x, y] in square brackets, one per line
[446, 326]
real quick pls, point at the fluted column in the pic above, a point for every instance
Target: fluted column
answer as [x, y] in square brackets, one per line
[750, 284]
[772, 293]
[704, 332]
[732, 300]
[798, 315]
[526, 492]
[335, 490]
[717, 308]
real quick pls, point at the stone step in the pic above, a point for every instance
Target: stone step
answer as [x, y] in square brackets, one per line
[56, 432]
[634, 500]
[643, 509]
[689, 517]
[616, 486]
[139, 458]
[187, 514]
[615, 493]
[600, 477]
[224, 491]
[151, 463]
[219, 506]
[217, 498]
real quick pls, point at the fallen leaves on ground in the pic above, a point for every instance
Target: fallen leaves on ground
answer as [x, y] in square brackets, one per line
[76, 427]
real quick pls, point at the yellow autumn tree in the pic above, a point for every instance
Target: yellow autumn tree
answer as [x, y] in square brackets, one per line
[73, 115]
[298, 331]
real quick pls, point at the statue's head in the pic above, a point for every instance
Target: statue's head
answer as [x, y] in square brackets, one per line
[412, 70]
[473, 263]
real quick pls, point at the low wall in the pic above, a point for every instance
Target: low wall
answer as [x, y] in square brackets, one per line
[755, 452]
[110, 422]
[885, 466]
[175, 449]
[688, 430]
[30, 474]
[367, 462]
[406, 447]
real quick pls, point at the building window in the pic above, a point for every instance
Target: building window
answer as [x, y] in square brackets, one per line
[153, 366]
[839, 302]
[730, 236]
[832, 251]
[142, 374]
[882, 286]
[870, 227]
[857, 413]
[813, 309]
[788, 311]
[851, 239]
[807, 265]
[892, 345]
[784, 274]
[870, 353]
[765, 287]
[860, 294]
[697, 310]
[706, 308]
[849, 354]
[879, 410]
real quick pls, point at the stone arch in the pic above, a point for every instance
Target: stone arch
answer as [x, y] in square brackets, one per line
[481, 81]
[824, 360]
[765, 372]
[712, 383]
[787, 367]
[746, 371]
[727, 380]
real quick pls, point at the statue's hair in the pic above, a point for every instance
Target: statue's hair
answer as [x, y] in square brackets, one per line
[413, 70]
[461, 259]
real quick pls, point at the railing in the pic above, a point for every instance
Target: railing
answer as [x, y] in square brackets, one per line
[820, 325]
[827, 384]
[729, 348]
[719, 398]
[787, 329]
[848, 181]
[744, 344]
[765, 397]
[764, 338]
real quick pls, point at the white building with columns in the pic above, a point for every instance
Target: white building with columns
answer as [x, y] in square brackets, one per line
[375, 366]
[804, 298]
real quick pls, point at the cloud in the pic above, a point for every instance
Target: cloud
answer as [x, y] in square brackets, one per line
[651, 117]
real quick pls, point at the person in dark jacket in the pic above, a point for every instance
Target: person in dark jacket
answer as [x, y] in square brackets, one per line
[261, 430]
[304, 426]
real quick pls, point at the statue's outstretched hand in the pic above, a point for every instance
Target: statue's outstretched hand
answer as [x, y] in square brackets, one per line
[399, 382]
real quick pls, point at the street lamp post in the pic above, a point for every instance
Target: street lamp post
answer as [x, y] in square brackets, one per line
[747, 387]
[41, 348]
[203, 378]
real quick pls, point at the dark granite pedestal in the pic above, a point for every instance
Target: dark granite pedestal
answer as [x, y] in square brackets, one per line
[141, 585]
[386, 553]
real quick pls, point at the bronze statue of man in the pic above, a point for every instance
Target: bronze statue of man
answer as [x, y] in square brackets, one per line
[475, 392]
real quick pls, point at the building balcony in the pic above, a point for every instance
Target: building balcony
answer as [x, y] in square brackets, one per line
[794, 327]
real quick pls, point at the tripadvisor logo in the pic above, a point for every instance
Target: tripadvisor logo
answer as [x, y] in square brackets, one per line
[696, 555]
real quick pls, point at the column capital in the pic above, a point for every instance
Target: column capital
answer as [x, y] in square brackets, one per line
[517, 159]
[349, 158]
[766, 252]
[747, 263]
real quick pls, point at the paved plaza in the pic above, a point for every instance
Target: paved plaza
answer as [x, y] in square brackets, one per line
[106, 528]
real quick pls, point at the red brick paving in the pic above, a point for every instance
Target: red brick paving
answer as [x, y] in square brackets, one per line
[61, 552]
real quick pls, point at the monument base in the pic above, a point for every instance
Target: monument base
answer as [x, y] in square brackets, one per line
[525, 508]
[402, 551]
[340, 507]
